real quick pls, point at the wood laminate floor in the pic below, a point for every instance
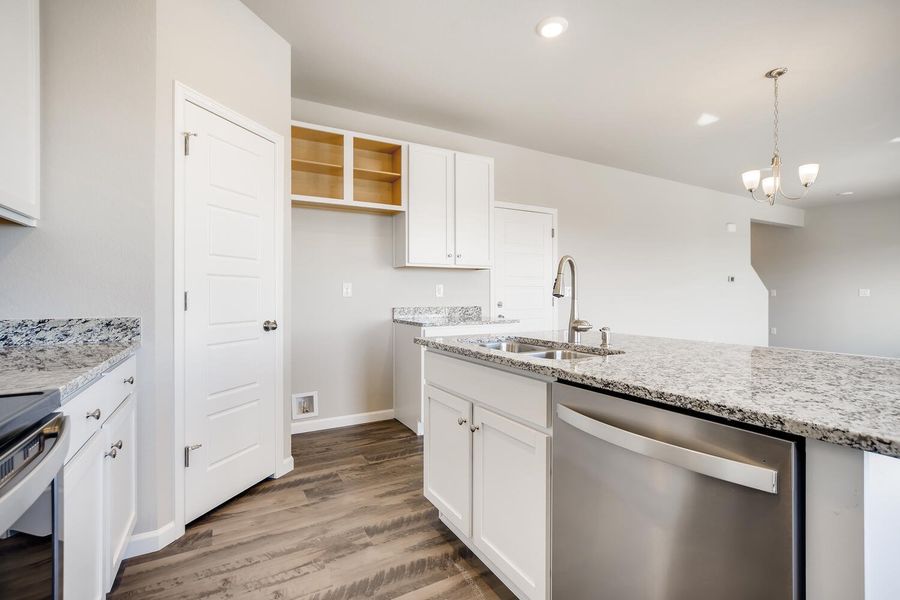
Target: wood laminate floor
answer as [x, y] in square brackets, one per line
[348, 522]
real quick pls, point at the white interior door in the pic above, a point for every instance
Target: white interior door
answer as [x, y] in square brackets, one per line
[523, 268]
[229, 271]
[474, 193]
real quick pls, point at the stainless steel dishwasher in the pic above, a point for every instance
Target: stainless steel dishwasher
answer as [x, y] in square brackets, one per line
[652, 504]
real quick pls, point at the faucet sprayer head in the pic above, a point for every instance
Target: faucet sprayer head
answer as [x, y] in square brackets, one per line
[557, 286]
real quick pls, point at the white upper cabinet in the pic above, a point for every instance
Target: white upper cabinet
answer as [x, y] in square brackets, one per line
[450, 210]
[20, 111]
[474, 210]
[430, 216]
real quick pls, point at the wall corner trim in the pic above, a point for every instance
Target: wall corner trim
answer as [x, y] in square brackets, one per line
[153, 540]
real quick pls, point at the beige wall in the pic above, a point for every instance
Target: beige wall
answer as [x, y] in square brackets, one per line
[817, 272]
[654, 258]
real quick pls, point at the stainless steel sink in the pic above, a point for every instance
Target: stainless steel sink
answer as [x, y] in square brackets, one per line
[561, 354]
[517, 347]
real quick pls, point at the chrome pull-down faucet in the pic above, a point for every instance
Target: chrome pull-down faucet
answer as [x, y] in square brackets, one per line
[576, 325]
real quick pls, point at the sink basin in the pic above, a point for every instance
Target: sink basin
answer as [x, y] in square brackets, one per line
[517, 347]
[561, 354]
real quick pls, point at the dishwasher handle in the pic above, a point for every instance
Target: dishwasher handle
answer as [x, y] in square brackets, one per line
[726, 469]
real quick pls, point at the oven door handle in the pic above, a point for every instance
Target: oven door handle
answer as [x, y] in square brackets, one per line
[726, 469]
[24, 489]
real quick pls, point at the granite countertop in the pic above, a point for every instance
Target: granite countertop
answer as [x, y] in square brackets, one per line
[844, 399]
[64, 354]
[443, 316]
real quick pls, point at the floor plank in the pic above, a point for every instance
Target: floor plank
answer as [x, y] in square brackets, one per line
[348, 522]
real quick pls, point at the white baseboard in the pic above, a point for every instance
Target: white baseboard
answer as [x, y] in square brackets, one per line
[151, 541]
[344, 421]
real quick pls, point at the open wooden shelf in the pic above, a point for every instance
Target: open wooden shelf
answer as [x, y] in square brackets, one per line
[352, 205]
[317, 163]
[376, 175]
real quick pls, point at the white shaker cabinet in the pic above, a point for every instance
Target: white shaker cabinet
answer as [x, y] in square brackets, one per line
[20, 111]
[119, 485]
[450, 207]
[510, 494]
[448, 456]
[82, 532]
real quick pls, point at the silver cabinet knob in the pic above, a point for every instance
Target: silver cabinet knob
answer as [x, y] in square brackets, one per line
[449, 255]
[501, 316]
[129, 381]
[499, 303]
[475, 428]
[459, 256]
[270, 325]
[112, 453]
[461, 421]
[118, 445]
[94, 414]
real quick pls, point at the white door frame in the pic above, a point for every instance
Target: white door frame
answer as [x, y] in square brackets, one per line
[527, 208]
[280, 464]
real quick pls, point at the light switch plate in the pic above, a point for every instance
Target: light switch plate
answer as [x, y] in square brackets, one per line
[864, 292]
[439, 290]
[347, 290]
[730, 227]
[774, 331]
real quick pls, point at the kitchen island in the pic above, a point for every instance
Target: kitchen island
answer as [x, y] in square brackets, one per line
[842, 411]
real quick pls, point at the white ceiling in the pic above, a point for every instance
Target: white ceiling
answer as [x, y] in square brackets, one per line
[626, 83]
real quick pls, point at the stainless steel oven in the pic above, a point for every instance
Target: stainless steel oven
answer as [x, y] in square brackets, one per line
[30, 476]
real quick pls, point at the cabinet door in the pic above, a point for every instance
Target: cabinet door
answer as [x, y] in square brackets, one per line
[20, 111]
[448, 456]
[119, 483]
[510, 495]
[430, 206]
[474, 212]
[81, 534]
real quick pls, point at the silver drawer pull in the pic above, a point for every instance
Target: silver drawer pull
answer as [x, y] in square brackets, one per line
[118, 445]
[461, 421]
[112, 453]
[130, 380]
[95, 414]
[474, 429]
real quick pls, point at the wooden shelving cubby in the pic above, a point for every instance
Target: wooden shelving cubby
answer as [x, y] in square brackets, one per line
[377, 172]
[317, 163]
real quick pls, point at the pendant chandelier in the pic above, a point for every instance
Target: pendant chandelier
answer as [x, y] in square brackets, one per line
[771, 186]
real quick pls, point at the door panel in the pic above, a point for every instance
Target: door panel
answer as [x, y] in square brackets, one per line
[120, 484]
[430, 210]
[474, 193]
[523, 268]
[510, 499]
[82, 522]
[448, 456]
[230, 400]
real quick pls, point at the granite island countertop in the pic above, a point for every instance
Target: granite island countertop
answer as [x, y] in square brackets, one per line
[844, 399]
[64, 354]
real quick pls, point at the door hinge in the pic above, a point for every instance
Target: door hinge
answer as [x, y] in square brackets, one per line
[187, 141]
[185, 300]
[187, 454]
[553, 232]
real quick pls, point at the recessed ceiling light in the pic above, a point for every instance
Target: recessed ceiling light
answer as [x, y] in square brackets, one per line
[551, 27]
[845, 193]
[706, 119]
[895, 140]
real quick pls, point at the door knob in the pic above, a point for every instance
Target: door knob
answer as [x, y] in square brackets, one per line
[270, 325]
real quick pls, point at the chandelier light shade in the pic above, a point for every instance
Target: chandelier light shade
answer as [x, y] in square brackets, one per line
[771, 186]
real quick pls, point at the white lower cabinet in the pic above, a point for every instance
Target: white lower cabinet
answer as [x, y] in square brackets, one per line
[119, 486]
[98, 497]
[82, 531]
[510, 494]
[448, 456]
[489, 474]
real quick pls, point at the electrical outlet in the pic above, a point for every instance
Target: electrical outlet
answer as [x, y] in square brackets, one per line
[347, 289]
[305, 405]
[774, 331]
[439, 290]
[864, 292]
[731, 279]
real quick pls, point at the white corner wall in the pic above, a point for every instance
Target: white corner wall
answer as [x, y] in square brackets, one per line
[654, 258]
[817, 272]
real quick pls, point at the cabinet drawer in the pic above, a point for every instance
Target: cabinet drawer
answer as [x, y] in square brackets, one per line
[515, 395]
[104, 395]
